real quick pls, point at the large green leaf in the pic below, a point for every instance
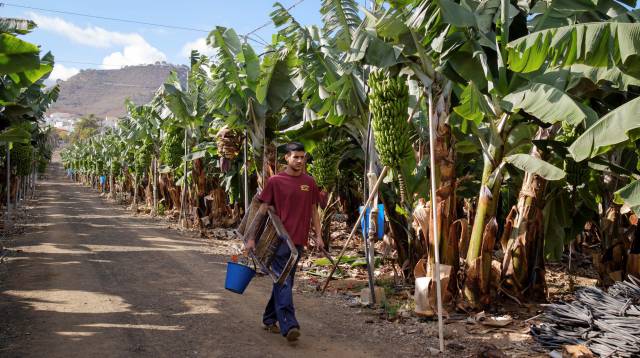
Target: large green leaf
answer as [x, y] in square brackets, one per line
[548, 104]
[251, 63]
[369, 46]
[225, 39]
[41, 73]
[340, 18]
[600, 44]
[557, 13]
[568, 78]
[630, 195]
[15, 135]
[531, 164]
[609, 130]
[473, 104]
[177, 100]
[267, 68]
[457, 15]
[17, 55]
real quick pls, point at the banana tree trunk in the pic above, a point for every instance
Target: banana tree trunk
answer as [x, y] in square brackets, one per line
[183, 202]
[135, 193]
[200, 185]
[174, 193]
[445, 181]
[154, 166]
[523, 237]
[112, 193]
[485, 213]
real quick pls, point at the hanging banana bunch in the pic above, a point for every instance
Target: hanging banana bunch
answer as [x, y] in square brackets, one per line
[142, 160]
[326, 157]
[389, 103]
[172, 150]
[229, 143]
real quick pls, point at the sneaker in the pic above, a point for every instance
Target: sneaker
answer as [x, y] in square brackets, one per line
[273, 328]
[293, 334]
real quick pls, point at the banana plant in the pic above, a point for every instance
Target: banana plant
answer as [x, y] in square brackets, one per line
[189, 109]
[146, 124]
[566, 52]
[250, 94]
[498, 105]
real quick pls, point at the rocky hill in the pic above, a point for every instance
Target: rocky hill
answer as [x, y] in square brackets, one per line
[103, 92]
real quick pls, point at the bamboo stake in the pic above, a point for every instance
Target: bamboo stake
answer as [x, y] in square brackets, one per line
[434, 213]
[355, 226]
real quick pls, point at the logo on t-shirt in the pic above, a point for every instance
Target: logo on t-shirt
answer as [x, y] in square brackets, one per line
[304, 188]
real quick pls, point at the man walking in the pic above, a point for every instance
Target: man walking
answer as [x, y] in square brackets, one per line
[294, 196]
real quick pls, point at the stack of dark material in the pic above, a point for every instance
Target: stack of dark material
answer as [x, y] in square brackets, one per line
[608, 323]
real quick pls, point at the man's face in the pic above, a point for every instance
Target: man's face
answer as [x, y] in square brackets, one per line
[296, 160]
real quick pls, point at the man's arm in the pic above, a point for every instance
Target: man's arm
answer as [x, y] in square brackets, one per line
[317, 227]
[250, 244]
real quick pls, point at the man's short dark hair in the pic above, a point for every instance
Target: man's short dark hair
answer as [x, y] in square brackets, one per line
[293, 147]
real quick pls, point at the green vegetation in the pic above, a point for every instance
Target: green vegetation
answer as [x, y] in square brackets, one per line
[534, 111]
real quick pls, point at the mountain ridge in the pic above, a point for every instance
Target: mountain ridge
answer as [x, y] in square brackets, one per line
[103, 92]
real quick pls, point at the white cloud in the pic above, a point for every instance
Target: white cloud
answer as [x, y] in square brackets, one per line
[134, 55]
[135, 49]
[200, 45]
[61, 72]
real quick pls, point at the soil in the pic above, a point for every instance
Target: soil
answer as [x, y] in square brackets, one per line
[85, 277]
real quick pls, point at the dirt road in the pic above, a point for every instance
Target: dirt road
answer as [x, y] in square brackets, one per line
[87, 279]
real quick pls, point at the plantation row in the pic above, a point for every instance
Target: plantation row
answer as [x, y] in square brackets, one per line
[534, 110]
[25, 144]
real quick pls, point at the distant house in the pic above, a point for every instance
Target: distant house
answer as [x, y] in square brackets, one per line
[64, 121]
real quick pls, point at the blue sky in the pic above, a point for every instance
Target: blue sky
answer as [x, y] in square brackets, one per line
[82, 42]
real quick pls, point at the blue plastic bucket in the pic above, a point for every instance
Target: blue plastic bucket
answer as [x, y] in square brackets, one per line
[238, 277]
[364, 222]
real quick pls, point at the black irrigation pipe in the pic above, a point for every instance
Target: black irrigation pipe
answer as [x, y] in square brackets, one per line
[608, 323]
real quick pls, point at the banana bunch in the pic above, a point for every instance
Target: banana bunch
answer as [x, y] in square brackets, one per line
[143, 160]
[389, 103]
[577, 173]
[22, 155]
[228, 142]
[172, 150]
[326, 157]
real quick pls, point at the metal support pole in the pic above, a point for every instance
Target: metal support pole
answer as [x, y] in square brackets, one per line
[246, 174]
[434, 217]
[369, 236]
[8, 185]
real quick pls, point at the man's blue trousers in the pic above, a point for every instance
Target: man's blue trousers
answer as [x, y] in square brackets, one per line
[280, 307]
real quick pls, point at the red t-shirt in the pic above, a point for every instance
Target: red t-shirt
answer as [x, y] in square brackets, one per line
[293, 198]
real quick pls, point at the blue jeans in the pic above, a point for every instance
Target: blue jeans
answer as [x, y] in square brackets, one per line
[280, 307]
